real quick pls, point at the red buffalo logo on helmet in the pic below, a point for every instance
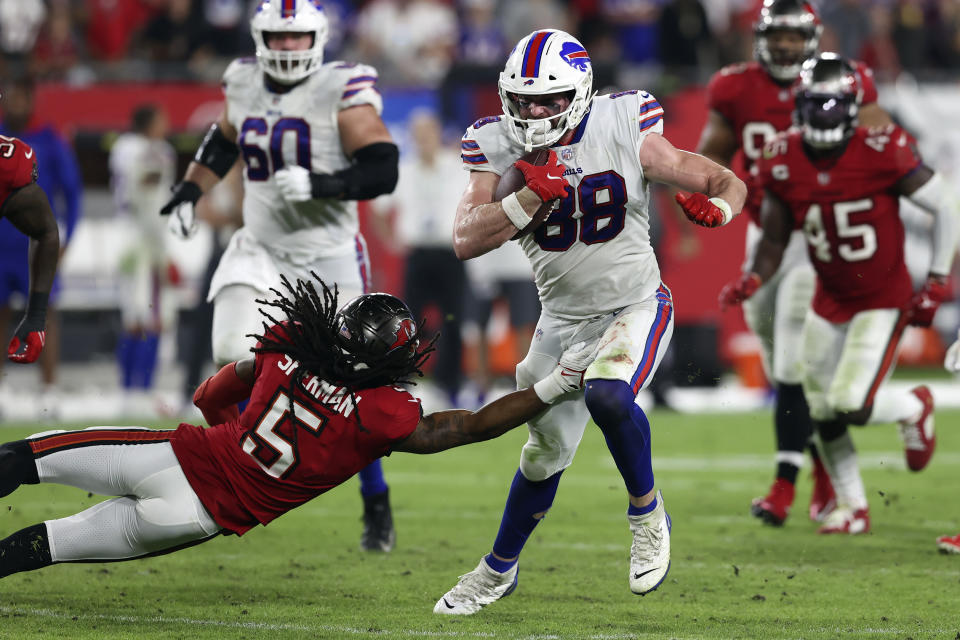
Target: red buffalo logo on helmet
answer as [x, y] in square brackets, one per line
[405, 332]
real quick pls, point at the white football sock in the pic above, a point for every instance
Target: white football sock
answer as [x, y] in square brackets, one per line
[895, 406]
[840, 458]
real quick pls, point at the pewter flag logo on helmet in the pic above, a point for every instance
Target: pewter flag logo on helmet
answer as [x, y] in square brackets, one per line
[575, 55]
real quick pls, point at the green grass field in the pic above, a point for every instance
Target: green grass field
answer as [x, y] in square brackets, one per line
[304, 577]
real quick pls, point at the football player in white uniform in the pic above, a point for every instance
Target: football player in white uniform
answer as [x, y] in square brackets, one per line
[313, 142]
[597, 277]
[142, 169]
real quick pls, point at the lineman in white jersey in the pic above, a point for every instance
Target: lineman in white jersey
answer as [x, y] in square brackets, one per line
[597, 277]
[313, 143]
[142, 170]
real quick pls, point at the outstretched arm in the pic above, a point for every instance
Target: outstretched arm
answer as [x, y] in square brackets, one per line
[662, 162]
[448, 429]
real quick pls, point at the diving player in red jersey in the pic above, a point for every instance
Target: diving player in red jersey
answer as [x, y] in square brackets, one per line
[326, 399]
[840, 184]
[750, 103]
[25, 205]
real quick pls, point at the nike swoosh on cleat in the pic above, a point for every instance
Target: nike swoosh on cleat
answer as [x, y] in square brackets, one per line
[637, 576]
[448, 605]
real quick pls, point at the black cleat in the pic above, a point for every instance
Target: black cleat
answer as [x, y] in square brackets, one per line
[378, 532]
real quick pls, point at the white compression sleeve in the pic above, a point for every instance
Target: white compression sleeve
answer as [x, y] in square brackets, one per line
[936, 197]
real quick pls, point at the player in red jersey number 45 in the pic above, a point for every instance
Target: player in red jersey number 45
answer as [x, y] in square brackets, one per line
[841, 185]
[326, 398]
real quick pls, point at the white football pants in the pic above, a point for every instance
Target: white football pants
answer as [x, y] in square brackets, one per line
[156, 511]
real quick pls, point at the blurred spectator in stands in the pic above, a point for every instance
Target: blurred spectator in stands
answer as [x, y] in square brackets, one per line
[481, 39]
[173, 36]
[59, 177]
[56, 53]
[909, 34]
[846, 27]
[686, 42]
[635, 22]
[413, 40]
[111, 23]
[943, 24]
[519, 19]
[20, 22]
[879, 52]
[341, 14]
[227, 31]
[142, 170]
[426, 198]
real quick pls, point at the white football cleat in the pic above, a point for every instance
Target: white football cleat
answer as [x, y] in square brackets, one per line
[847, 520]
[650, 552]
[477, 589]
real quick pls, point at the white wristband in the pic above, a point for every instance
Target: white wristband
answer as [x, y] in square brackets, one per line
[549, 389]
[514, 210]
[724, 206]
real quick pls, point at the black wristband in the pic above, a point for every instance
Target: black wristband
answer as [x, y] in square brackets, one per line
[324, 185]
[36, 311]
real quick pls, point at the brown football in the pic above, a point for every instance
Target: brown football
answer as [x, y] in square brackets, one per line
[512, 181]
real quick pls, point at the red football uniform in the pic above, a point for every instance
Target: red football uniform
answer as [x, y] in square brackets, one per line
[18, 166]
[849, 210]
[757, 109]
[254, 469]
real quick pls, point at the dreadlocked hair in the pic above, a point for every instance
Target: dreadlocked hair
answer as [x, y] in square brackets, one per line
[311, 337]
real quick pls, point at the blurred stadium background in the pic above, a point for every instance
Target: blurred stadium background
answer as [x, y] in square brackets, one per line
[95, 61]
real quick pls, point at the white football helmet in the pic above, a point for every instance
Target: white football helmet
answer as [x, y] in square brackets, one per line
[291, 16]
[547, 61]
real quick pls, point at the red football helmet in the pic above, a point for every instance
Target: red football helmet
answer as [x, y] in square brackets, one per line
[781, 59]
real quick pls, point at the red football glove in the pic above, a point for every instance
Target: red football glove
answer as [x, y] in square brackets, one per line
[26, 344]
[736, 292]
[700, 210]
[545, 180]
[925, 303]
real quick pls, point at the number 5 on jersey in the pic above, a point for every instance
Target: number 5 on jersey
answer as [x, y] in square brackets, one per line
[273, 442]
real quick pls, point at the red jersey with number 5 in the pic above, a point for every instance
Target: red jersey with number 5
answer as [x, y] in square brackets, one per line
[757, 108]
[849, 210]
[18, 166]
[272, 460]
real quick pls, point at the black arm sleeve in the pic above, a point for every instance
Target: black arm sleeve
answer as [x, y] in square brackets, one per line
[217, 152]
[373, 173]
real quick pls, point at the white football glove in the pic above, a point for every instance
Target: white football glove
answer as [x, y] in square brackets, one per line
[182, 221]
[952, 361]
[294, 184]
[568, 376]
